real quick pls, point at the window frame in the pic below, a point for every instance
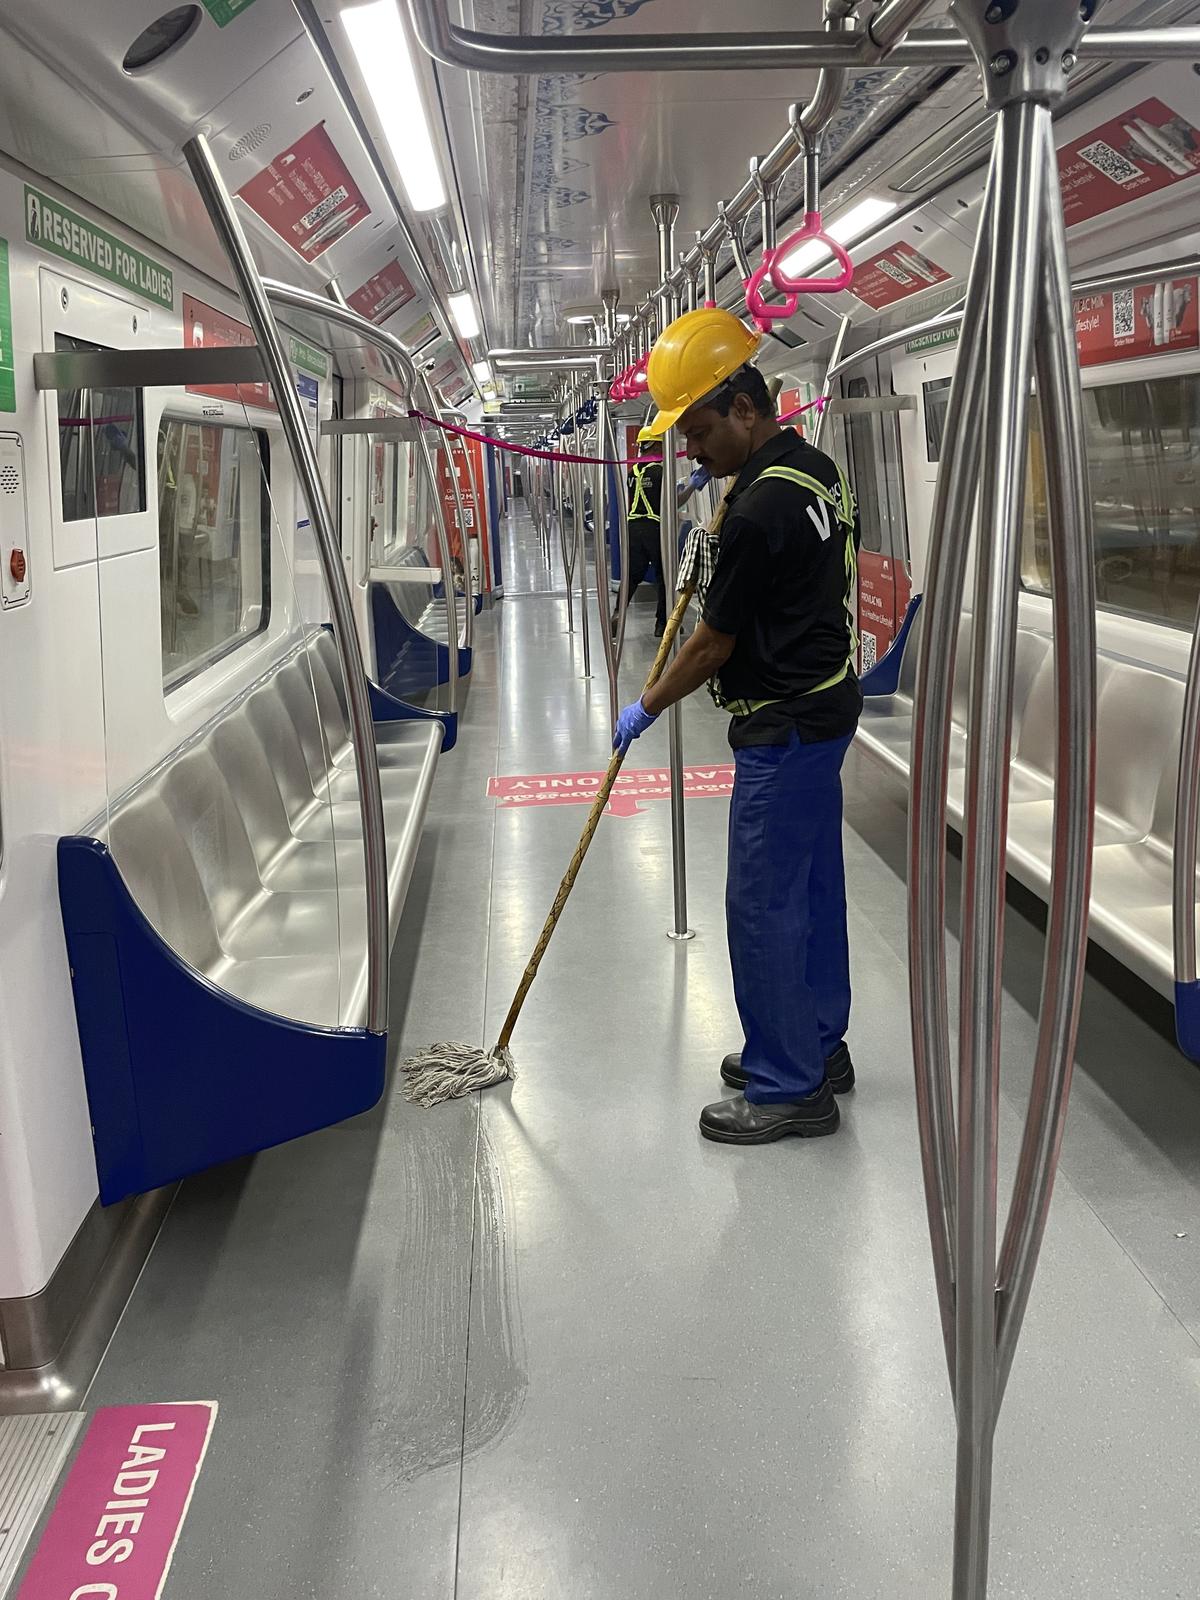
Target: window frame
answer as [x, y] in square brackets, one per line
[1184, 364]
[86, 428]
[262, 439]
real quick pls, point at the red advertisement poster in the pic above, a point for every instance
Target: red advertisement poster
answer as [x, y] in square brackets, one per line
[453, 461]
[884, 590]
[205, 328]
[307, 195]
[1146, 149]
[383, 294]
[894, 275]
[1151, 320]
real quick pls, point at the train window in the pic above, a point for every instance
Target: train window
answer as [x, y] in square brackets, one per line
[1143, 449]
[214, 542]
[99, 448]
[936, 397]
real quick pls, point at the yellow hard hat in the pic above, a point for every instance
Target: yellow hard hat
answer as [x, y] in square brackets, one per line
[646, 436]
[692, 357]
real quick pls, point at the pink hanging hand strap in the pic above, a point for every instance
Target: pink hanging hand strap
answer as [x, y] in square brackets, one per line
[762, 312]
[810, 232]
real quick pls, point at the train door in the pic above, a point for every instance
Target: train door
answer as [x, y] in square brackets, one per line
[98, 499]
[872, 439]
[927, 377]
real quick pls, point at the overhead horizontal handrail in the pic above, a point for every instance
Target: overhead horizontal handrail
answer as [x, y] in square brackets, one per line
[536, 55]
[564, 358]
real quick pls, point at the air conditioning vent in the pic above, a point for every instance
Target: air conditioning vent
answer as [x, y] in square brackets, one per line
[251, 141]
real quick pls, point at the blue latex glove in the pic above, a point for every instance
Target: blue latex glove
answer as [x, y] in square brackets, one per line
[700, 476]
[631, 724]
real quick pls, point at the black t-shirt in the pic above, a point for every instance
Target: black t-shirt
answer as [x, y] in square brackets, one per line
[780, 587]
[652, 478]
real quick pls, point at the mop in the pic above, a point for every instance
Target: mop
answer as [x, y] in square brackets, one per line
[445, 1071]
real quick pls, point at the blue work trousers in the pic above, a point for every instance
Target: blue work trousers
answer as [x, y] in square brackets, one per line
[785, 905]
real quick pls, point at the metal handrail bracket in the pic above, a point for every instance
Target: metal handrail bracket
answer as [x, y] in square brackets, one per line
[335, 310]
[302, 450]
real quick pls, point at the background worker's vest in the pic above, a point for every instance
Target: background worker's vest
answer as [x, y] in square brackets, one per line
[844, 511]
[640, 505]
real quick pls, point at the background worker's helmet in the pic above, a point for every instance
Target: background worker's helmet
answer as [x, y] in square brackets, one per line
[692, 357]
[646, 436]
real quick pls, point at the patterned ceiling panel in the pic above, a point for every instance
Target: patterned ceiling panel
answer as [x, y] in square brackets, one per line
[565, 164]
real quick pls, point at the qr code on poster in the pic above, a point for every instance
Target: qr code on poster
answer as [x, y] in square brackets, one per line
[868, 651]
[1111, 162]
[1123, 314]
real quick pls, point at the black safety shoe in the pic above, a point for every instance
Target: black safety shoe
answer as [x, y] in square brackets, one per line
[737, 1121]
[839, 1069]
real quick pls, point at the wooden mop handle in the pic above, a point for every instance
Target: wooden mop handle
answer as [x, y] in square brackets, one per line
[593, 822]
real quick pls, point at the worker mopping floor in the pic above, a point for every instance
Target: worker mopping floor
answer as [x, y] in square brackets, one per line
[546, 1343]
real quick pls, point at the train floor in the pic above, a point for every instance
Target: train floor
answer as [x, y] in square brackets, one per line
[547, 1342]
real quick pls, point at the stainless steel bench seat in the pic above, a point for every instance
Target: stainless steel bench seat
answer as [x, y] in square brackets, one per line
[244, 850]
[1139, 711]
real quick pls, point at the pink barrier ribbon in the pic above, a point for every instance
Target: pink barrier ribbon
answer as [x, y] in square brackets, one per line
[564, 455]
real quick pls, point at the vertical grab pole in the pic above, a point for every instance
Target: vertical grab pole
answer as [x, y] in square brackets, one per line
[1073, 593]
[449, 601]
[600, 545]
[557, 471]
[1025, 57]
[616, 451]
[579, 482]
[304, 458]
[953, 508]
[818, 432]
[665, 209]
[465, 635]
[606, 445]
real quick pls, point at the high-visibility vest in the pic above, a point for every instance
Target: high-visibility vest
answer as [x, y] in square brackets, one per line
[640, 505]
[844, 511]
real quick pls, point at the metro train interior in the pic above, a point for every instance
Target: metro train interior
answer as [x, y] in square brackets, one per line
[324, 332]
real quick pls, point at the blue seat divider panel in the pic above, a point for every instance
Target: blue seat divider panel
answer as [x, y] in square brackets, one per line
[386, 708]
[1187, 1019]
[494, 469]
[179, 1075]
[409, 663]
[884, 676]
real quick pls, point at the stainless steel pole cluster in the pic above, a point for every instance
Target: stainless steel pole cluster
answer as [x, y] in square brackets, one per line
[304, 458]
[1018, 320]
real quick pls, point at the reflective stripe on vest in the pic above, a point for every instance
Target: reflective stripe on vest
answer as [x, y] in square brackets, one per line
[640, 498]
[844, 511]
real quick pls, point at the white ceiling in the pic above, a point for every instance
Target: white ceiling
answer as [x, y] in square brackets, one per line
[556, 174]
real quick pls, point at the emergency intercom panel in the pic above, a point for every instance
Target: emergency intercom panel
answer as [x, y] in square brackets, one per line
[15, 579]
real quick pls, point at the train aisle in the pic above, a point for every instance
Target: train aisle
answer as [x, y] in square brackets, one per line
[547, 1342]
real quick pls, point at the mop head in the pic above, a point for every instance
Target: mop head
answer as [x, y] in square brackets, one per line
[446, 1071]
